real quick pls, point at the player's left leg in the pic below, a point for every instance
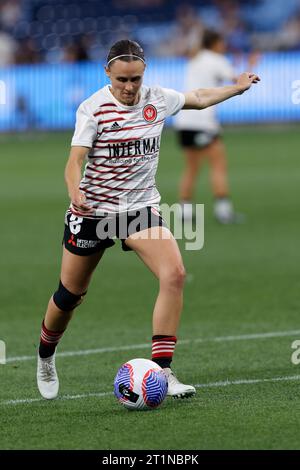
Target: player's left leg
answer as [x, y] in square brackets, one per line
[158, 249]
[193, 160]
[76, 273]
[218, 164]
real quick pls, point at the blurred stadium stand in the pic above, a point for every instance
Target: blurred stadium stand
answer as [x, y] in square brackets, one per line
[66, 32]
[53, 25]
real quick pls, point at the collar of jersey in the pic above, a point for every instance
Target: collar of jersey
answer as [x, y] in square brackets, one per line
[135, 106]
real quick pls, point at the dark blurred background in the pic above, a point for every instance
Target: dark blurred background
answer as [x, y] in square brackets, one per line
[67, 30]
[64, 44]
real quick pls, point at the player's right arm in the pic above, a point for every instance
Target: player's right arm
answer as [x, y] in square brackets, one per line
[73, 177]
[205, 97]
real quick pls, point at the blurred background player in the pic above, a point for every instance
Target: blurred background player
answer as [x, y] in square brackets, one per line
[199, 131]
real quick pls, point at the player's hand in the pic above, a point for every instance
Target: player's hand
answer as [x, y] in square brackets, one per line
[79, 203]
[245, 81]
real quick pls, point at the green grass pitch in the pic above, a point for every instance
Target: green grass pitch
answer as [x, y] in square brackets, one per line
[242, 284]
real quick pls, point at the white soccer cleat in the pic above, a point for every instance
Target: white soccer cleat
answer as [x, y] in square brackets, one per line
[224, 213]
[47, 378]
[175, 388]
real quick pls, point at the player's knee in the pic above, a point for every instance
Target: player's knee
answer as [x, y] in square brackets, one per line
[66, 300]
[174, 278]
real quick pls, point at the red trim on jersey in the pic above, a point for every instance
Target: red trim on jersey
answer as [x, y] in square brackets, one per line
[112, 166]
[98, 171]
[107, 104]
[111, 120]
[134, 127]
[123, 156]
[97, 156]
[106, 147]
[102, 156]
[118, 140]
[110, 171]
[115, 198]
[111, 111]
[111, 178]
[82, 214]
[119, 189]
[104, 198]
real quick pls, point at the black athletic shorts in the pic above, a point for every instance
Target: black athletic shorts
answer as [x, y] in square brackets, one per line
[84, 236]
[197, 139]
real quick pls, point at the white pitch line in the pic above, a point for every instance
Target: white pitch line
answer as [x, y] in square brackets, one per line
[87, 352]
[225, 383]
[272, 334]
[248, 381]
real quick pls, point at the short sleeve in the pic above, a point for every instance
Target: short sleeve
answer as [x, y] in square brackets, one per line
[86, 127]
[174, 100]
[225, 70]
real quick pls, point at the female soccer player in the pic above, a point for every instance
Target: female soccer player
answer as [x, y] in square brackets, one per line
[118, 130]
[199, 132]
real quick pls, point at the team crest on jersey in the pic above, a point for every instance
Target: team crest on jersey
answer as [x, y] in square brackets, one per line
[150, 113]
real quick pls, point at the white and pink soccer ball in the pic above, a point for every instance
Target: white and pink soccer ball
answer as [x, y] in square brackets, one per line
[140, 384]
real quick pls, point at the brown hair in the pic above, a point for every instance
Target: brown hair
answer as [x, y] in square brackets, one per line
[210, 37]
[130, 50]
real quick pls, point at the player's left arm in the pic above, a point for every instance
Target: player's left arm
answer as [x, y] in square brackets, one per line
[205, 97]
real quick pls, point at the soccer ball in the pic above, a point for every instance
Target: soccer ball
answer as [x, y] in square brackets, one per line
[140, 384]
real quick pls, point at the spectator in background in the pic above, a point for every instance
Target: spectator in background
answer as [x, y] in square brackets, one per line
[78, 50]
[8, 47]
[123, 4]
[10, 13]
[184, 36]
[199, 131]
[234, 28]
[290, 34]
[27, 53]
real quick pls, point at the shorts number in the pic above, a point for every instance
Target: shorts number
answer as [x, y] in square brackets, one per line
[75, 224]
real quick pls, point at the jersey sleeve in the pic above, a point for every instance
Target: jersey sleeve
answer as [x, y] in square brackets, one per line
[225, 70]
[174, 100]
[85, 128]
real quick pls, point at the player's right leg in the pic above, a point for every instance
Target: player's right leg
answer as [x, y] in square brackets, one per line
[158, 249]
[223, 208]
[76, 273]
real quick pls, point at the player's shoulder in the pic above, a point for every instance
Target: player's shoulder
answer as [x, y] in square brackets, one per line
[156, 92]
[218, 58]
[207, 56]
[95, 101]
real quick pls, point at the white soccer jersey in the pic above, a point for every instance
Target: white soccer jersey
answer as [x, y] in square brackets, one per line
[124, 146]
[206, 70]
